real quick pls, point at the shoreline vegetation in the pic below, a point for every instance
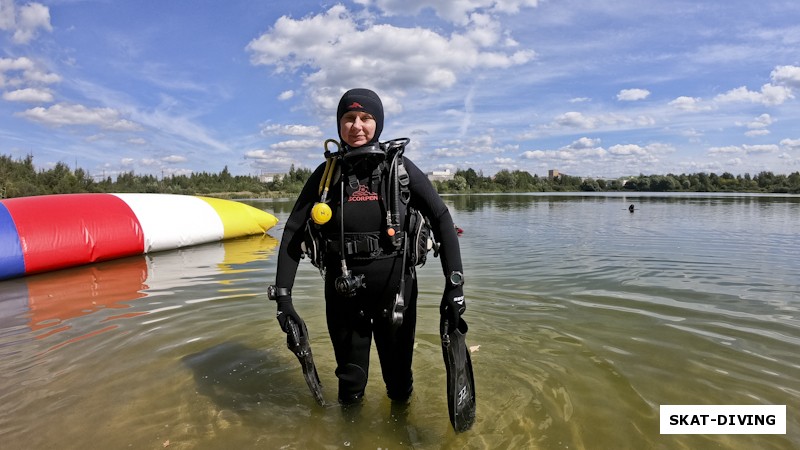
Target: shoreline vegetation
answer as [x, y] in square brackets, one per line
[19, 178]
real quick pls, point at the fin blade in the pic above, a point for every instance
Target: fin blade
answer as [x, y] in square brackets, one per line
[461, 401]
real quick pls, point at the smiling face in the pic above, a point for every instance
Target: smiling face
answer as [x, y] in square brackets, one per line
[357, 128]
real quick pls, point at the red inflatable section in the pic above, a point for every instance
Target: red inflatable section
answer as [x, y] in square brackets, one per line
[73, 229]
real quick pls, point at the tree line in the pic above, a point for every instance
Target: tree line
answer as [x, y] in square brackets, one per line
[521, 181]
[19, 178]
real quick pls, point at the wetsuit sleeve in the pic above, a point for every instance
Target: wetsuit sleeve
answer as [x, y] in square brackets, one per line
[289, 252]
[425, 198]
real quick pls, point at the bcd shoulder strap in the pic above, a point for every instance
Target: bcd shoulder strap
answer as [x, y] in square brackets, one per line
[403, 180]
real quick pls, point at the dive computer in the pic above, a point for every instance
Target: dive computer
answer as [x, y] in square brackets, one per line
[456, 278]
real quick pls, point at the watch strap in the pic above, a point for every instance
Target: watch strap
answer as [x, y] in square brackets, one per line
[274, 292]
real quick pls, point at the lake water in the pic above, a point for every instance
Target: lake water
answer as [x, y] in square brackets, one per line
[584, 318]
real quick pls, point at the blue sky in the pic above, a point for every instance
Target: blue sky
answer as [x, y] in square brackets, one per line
[601, 89]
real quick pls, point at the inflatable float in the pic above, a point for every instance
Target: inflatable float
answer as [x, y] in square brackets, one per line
[50, 232]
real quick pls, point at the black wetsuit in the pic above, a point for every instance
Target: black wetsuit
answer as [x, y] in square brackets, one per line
[353, 321]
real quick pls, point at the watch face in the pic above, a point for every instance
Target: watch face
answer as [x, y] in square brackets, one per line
[456, 278]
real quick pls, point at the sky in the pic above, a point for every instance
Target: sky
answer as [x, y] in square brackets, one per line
[601, 89]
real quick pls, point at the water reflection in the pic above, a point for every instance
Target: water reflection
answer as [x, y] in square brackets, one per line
[48, 303]
[522, 201]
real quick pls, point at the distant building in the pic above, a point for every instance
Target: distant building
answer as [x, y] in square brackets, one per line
[440, 175]
[269, 177]
[553, 174]
[621, 181]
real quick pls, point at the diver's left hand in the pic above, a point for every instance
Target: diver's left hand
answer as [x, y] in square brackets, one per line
[286, 311]
[453, 306]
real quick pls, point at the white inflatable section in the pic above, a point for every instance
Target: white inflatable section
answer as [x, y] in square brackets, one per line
[174, 221]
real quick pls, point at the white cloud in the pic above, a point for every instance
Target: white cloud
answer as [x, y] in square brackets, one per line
[762, 121]
[21, 63]
[483, 30]
[775, 95]
[792, 144]
[735, 162]
[286, 95]
[256, 154]
[630, 95]
[691, 133]
[137, 141]
[63, 114]
[725, 150]
[7, 14]
[693, 104]
[456, 11]
[25, 21]
[479, 145]
[23, 72]
[293, 145]
[174, 159]
[770, 95]
[272, 159]
[584, 143]
[580, 100]
[29, 95]
[574, 119]
[758, 126]
[340, 51]
[786, 75]
[627, 149]
[35, 76]
[451, 152]
[504, 161]
[584, 153]
[533, 154]
[757, 149]
[267, 156]
[292, 130]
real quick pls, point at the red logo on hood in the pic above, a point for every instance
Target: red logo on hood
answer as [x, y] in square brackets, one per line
[355, 105]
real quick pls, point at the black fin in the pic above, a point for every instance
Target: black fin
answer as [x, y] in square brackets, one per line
[460, 380]
[297, 341]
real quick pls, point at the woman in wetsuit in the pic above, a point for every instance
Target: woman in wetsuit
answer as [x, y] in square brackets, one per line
[362, 310]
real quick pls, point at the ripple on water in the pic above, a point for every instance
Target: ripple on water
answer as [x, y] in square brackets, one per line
[585, 317]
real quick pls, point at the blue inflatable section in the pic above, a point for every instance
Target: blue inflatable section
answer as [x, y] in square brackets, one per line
[12, 262]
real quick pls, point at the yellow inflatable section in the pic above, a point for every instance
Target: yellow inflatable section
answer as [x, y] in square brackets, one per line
[231, 213]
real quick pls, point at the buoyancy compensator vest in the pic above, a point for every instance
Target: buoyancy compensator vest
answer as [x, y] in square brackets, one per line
[407, 231]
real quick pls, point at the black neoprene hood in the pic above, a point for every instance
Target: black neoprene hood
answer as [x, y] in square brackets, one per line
[365, 100]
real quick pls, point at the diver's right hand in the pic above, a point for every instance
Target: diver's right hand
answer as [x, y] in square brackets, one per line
[285, 311]
[453, 306]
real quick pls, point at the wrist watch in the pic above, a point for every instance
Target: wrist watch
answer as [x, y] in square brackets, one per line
[456, 278]
[273, 292]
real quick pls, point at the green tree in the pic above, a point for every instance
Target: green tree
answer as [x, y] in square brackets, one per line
[505, 180]
[458, 184]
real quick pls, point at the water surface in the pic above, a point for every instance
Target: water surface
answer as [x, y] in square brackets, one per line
[584, 318]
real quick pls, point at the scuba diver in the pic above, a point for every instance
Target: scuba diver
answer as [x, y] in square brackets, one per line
[361, 218]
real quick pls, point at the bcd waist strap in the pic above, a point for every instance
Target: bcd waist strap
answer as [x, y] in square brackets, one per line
[358, 245]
